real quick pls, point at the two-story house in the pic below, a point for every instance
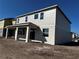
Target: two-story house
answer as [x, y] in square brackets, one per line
[48, 25]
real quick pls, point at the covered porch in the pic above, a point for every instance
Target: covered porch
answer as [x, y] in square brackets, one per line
[23, 31]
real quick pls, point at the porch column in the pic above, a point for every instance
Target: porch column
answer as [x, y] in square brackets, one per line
[16, 33]
[27, 34]
[6, 33]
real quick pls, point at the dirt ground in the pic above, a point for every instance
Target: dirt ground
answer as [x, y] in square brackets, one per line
[11, 49]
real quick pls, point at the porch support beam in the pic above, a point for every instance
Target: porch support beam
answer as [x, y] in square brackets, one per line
[6, 33]
[16, 33]
[27, 34]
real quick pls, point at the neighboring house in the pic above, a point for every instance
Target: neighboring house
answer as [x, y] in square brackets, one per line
[48, 25]
[75, 37]
[3, 23]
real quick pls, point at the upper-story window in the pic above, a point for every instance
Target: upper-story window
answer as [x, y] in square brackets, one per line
[36, 16]
[26, 19]
[41, 15]
[17, 20]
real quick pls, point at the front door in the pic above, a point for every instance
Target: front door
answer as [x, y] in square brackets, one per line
[32, 34]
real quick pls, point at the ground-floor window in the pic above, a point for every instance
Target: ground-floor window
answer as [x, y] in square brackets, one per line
[22, 32]
[46, 32]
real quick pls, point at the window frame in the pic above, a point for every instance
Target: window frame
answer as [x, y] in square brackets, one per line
[36, 16]
[41, 15]
[26, 18]
[45, 32]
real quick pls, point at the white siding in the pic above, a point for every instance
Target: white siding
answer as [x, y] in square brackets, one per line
[59, 27]
[49, 18]
[47, 22]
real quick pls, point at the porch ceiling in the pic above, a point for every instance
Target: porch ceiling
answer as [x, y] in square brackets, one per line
[23, 25]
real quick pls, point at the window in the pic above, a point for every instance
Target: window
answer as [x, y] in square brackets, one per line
[36, 16]
[18, 20]
[41, 15]
[22, 31]
[26, 18]
[45, 32]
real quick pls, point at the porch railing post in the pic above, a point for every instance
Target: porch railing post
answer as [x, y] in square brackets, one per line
[16, 33]
[27, 34]
[6, 33]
